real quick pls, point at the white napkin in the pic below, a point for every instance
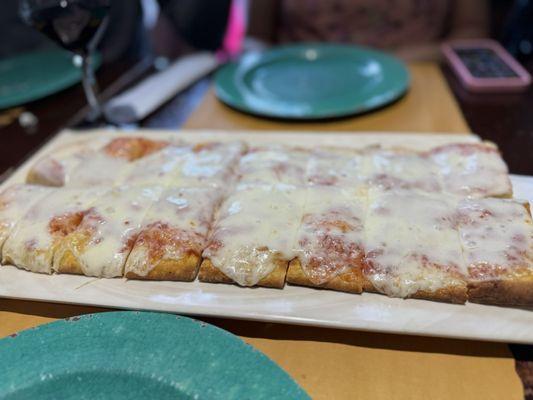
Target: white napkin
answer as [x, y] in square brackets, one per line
[139, 101]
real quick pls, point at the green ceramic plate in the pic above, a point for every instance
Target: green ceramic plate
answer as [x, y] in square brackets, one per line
[31, 76]
[137, 355]
[312, 81]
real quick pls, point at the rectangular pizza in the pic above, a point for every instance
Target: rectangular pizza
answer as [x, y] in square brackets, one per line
[412, 224]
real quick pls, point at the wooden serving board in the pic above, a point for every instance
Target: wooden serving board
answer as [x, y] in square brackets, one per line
[298, 305]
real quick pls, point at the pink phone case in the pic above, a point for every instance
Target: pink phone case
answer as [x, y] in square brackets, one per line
[512, 84]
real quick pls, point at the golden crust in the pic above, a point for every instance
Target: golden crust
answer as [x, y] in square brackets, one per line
[65, 262]
[183, 269]
[276, 279]
[504, 292]
[456, 294]
[46, 172]
[350, 281]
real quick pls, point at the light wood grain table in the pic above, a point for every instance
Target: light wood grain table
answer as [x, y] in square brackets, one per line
[341, 364]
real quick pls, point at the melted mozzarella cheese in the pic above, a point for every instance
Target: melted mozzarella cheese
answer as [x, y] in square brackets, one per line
[274, 164]
[255, 228]
[184, 214]
[99, 169]
[210, 165]
[389, 169]
[112, 225]
[411, 242]
[15, 201]
[32, 243]
[497, 236]
[330, 167]
[472, 170]
[330, 237]
[156, 168]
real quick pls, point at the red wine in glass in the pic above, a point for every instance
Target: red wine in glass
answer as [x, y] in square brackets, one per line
[76, 25]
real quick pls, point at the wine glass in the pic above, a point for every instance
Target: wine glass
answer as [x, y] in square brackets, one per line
[76, 25]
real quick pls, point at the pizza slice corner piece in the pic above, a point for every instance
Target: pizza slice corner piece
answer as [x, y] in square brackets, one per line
[412, 246]
[329, 240]
[253, 237]
[81, 163]
[472, 169]
[208, 164]
[173, 235]
[328, 166]
[100, 245]
[36, 236]
[15, 201]
[497, 240]
[399, 168]
[274, 164]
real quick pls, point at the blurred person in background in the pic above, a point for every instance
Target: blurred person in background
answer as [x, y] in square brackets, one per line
[413, 29]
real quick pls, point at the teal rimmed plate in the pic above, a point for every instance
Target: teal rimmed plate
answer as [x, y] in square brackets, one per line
[312, 81]
[143, 355]
[31, 76]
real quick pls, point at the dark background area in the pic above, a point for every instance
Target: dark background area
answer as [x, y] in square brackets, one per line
[506, 119]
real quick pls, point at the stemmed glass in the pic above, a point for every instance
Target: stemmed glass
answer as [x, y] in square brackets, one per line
[76, 25]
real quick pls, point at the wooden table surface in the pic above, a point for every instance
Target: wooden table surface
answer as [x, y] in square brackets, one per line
[428, 107]
[340, 364]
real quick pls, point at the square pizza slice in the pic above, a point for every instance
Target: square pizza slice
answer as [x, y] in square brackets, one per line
[103, 240]
[412, 246]
[399, 168]
[35, 237]
[497, 240]
[208, 164]
[272, 164]
[335, 167]
[173, 235]
[15, 201]
[472, 169]
[156, 168]
[253, 237]
[329, 242]
[91, 162]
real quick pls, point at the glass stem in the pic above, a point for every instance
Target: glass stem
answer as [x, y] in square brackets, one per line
[90, 87]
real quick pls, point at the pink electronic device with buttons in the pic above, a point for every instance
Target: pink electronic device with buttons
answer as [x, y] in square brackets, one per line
[483, 65]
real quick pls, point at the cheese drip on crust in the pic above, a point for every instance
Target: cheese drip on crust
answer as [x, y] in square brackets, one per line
[412, 243]
[102, 242]
[497, 238]
[34, 239]
[174, 228]
[15, 201]
[255, 228]
[330, 236]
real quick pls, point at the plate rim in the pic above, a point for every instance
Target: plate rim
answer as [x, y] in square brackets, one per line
[67, 80]
[117, 325]
[225, 79]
